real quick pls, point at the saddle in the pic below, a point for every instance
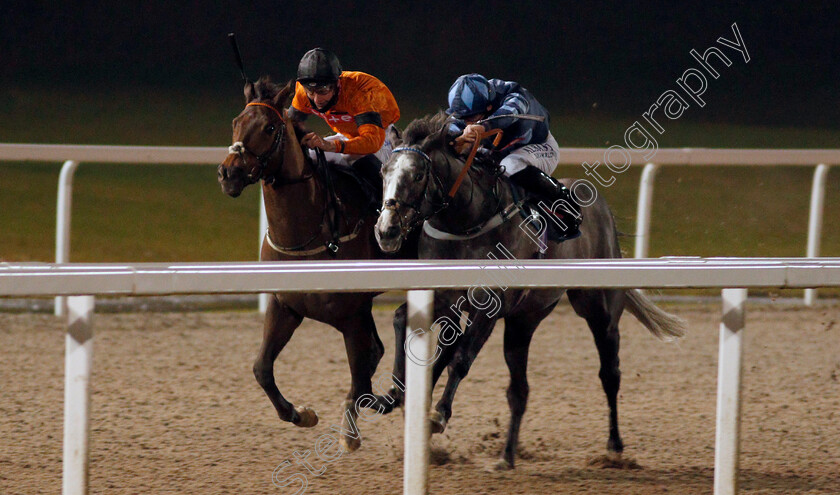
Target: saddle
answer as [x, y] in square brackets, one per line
[370, 190]
[373, 191]
[335, 209]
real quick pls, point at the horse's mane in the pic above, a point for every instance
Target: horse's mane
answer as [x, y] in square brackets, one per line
[431, 131]
[266, 89]
[424, 127]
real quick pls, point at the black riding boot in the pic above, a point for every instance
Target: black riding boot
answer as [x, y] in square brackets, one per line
[368, 168]
[554, 203]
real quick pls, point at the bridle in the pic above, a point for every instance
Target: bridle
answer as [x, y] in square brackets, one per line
[408, 224]
[257, 173]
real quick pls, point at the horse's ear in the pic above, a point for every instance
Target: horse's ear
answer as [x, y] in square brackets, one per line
[393, 135]
[250, 92]
[281, 99]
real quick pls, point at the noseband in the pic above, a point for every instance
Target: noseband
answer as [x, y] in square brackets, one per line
[394, 204]
[238, 148]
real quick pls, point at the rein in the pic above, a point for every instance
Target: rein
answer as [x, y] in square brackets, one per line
[501, 216]
[471, 157]
[394, 204]
[331, 201]
[238, 148]
[482, 136]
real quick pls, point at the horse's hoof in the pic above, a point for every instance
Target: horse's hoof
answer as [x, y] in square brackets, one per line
[397, 395]
[385, 404]
[437, 422]
[350, 444]
[307, 417]
[613, 460]
[498, 466]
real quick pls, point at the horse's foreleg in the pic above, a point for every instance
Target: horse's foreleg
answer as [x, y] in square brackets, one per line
[364, 350]
[396, 393]
[449, 344]
[279, 326]
[400, 324]
[474, 339]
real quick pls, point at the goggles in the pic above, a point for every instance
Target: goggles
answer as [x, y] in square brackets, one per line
[318, 89]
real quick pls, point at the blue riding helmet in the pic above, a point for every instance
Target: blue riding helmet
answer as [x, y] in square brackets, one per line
[469, 95]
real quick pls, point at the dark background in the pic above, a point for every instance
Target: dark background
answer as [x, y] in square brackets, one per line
[586, 58]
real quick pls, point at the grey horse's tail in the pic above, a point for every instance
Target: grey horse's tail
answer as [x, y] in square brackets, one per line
[661, 324]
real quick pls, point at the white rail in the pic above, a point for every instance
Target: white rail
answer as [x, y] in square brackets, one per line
[84, 280]
[815, 214]
[820, 158]
[147, 279]
[72, 155]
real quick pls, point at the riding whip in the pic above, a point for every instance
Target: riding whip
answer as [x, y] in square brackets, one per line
[232, 39]
[477, 142]
[538, 118]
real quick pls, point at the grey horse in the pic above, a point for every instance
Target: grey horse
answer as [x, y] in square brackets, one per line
[482, 221]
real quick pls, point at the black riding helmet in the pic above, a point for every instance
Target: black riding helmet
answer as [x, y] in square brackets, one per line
[318, 67]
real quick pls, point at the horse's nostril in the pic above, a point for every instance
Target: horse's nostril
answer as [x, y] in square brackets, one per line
[392, 232]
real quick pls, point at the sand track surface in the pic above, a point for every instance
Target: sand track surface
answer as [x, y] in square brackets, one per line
[176, 409]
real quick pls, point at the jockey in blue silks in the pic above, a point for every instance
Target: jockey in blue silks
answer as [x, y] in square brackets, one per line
[529, 151]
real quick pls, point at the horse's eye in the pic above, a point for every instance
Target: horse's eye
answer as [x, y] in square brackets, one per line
[269, 129]
[418, 176]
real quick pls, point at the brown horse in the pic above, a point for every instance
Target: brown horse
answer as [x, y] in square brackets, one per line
[298, 206]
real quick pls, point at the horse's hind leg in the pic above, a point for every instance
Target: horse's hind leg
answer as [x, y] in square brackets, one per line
[518, 332]
[279, 326]
[602, 309]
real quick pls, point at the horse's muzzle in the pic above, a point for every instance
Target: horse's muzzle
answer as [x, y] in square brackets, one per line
[232, 179]
[388, 235]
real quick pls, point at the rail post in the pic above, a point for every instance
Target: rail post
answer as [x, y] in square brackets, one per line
[815, 221]
[262, 298]
[643, 209]
[77, 366]
[727, 436]
[62, 223]
[418, 397]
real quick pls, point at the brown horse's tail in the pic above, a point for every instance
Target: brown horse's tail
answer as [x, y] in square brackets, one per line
[661, 324]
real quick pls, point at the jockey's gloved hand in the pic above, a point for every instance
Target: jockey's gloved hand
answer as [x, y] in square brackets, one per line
[472, 131]
[313, 140]
[465, 141]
